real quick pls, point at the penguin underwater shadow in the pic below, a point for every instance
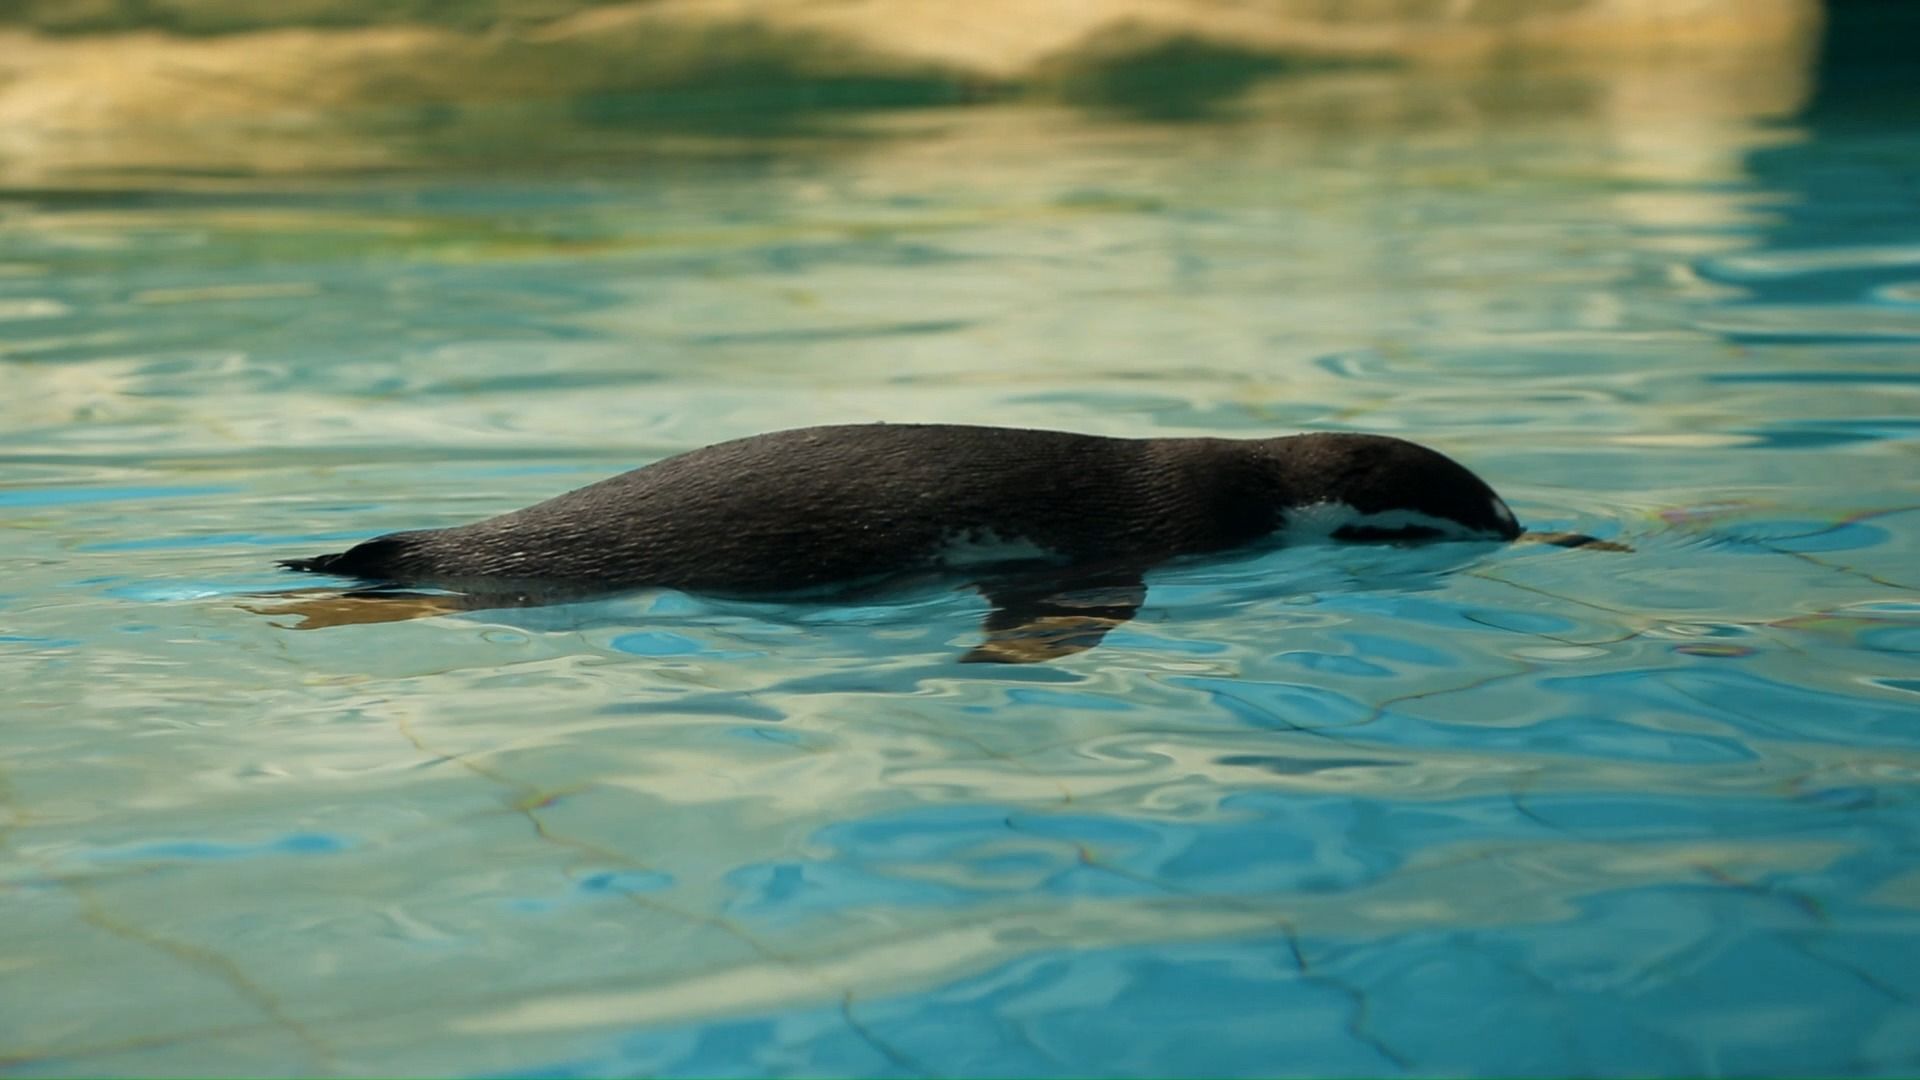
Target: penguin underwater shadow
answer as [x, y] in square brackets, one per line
[1055, 529]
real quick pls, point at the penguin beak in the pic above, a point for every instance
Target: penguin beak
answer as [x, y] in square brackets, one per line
[1571, 540]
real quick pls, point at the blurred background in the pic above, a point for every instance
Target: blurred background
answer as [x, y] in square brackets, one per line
[1386, 175]
[99, 88]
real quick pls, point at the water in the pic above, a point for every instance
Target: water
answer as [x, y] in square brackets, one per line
[1335, 812]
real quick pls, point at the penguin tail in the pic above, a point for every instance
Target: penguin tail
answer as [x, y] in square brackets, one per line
[377, 558]
[316, 565]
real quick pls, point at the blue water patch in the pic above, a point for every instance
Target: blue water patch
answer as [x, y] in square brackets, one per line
[1658, 980]
[1891, 639]
[784, 893]
[1898, 609]
[203, 850]
[1880, 378]
[625, 881]
[1606, 1016]
[1065, 699]
[656, 643]
[1332, 663]
[1832, 434]
[1047, 1014]
[1122, 638]
[1264, 843]
[24, 497]
[165, 543]
[163, 591]
[1279, 706]
[1674, 817]
[1761, 537]
[1766, 708]
[45, 642]
[1402, 651]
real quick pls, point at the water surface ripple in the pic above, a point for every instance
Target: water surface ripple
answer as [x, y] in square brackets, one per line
[1521, 811]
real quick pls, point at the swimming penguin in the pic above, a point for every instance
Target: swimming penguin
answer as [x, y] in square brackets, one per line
[1056, 529]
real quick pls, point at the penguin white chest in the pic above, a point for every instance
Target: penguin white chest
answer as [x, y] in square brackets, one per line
[1325, 522]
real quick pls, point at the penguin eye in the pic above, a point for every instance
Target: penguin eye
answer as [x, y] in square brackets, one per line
[1375, 534]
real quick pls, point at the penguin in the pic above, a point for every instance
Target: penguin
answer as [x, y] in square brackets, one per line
[1056, 529]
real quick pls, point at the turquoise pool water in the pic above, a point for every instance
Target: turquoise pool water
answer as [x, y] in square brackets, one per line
[1335, 812]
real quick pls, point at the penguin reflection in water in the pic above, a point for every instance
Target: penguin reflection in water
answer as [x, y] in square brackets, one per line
[1055, 529]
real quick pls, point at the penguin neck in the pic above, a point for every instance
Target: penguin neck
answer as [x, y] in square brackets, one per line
[1238, 487]
[1310, 478]
[1301, 469]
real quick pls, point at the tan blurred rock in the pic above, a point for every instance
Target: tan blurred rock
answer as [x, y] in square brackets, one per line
[307, 98]
[1014, 39]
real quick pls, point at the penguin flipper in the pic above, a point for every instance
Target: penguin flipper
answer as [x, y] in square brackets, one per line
[1045, 618]
[318, 609]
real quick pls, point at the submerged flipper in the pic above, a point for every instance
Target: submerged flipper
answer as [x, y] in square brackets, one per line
[318, 609]
[1044, 618]
[1032, 619]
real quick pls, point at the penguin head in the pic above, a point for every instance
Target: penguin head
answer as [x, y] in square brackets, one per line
[1351, 487]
